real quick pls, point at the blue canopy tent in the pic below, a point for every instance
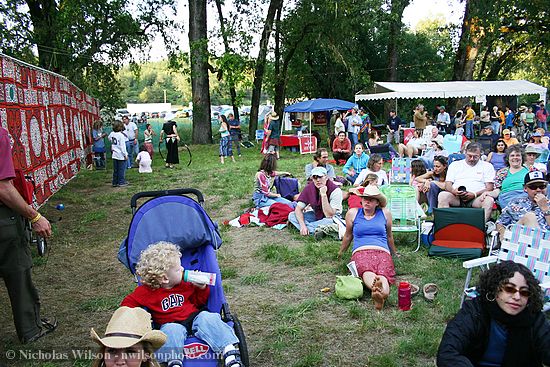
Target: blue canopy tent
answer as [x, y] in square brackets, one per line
[316, 105]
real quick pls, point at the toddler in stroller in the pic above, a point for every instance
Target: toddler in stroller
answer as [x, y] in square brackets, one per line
[178, 307]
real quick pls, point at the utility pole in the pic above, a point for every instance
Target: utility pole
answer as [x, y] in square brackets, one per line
[164, 90]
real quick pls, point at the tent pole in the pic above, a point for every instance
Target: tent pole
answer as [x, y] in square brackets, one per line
[310, 131]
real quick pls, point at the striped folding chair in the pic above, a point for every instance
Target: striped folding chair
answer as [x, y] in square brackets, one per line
[524, 245]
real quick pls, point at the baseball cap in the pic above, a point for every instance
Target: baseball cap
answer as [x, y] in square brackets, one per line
[505, 131]
[319, 171]
[534, 176]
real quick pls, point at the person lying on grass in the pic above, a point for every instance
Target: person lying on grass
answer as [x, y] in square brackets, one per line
[502, 326]
[175, 305]
[370, 229]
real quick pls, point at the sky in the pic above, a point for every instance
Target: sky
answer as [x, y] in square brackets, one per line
[417, 10]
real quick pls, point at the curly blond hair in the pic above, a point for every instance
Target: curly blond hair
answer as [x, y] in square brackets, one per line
[155, 261]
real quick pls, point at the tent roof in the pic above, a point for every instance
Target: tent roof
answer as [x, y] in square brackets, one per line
[320, 104]
[456, 89]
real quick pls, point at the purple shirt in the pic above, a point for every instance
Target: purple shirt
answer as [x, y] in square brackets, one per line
[310, 195]
[7, 172]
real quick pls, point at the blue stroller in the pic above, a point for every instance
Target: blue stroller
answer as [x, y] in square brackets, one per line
[172, 216]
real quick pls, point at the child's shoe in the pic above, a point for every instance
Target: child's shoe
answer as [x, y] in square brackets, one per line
[232, 358]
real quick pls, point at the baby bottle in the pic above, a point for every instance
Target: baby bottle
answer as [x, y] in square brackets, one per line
[199, 277]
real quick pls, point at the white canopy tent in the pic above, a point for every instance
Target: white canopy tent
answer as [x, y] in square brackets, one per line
[456, 89]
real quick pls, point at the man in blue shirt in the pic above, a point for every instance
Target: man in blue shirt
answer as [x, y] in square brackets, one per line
[394, 125]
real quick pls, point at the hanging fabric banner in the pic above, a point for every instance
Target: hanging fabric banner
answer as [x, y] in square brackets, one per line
[50, 122]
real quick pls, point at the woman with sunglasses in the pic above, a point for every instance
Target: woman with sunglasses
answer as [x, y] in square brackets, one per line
[502, 326]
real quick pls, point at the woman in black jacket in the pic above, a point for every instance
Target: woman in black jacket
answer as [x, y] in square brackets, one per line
[503, 326]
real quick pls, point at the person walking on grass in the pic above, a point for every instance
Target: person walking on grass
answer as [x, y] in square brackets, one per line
[119, 154]
[226, 150]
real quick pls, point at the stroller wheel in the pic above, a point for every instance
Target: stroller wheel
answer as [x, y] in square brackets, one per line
[243, 348]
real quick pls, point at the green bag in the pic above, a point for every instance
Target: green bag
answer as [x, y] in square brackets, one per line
[348, 287]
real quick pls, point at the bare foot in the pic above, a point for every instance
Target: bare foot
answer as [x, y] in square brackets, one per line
[378, 298]
[377, 283]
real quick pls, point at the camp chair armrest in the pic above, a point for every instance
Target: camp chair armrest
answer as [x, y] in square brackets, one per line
[479, 262]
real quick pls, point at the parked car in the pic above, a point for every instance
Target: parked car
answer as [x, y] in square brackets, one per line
[121, 112]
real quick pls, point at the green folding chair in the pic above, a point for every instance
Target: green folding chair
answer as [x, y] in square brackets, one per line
[404, 208]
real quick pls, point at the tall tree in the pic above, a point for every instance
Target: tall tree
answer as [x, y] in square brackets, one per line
[198, 45]
[395, 28]
[228, 51]
[260, 65]
[86, 41]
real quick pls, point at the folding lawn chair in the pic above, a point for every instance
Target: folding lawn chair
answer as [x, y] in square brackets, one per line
[524, 245]
[400, 170]
[404, 209]
[452, 143]
[260, 135]
[458, 233]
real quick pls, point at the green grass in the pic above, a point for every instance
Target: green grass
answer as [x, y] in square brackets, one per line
[272, 279]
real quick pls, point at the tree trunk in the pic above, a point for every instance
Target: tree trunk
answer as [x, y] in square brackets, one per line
[198, 44]
[397, 8]
[43, 14]
[468, 46]
[396, 14]
[232, 91]
[260, 65]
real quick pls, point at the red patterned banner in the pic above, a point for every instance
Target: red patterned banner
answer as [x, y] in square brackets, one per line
[50, 122]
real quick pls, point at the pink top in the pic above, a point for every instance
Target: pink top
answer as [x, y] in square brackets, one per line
[7, 171]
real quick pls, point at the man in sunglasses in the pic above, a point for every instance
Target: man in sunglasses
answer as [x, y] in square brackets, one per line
[533, 210]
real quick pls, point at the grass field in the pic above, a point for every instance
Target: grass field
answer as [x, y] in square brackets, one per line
[272, 279]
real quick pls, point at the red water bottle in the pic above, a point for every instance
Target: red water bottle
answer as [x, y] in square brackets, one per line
[404, 296]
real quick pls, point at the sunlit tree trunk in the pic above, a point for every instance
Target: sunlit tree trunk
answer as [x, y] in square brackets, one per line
[198, 44]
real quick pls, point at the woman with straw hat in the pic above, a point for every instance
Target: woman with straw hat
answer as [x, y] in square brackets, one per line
[129, 340]
[370, 228]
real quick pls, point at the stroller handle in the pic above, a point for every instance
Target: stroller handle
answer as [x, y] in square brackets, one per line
[154, 194]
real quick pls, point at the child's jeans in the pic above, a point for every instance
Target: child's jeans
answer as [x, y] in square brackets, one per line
[207, 326]
[119, 172]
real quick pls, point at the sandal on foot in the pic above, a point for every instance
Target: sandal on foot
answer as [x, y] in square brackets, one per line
[48, 326]
[235, 362]
[430, 290]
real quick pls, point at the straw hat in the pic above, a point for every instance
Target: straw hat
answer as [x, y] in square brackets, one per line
[127, 327]
[372, 191]
[274, 116]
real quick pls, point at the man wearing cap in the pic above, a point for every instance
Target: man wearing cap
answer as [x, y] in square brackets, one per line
[16, 216]
[323, 197]
[273, 134]
[488, 133]
[131, 133]
[394, 125]
[508, 139]
[466, 180]
[533, 210]
[443, 119]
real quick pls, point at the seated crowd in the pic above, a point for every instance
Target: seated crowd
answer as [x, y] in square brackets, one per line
[492, 173]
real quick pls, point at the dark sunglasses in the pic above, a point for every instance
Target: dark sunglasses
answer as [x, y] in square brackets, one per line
[315, 177]
[510, 289]
[536, 186]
